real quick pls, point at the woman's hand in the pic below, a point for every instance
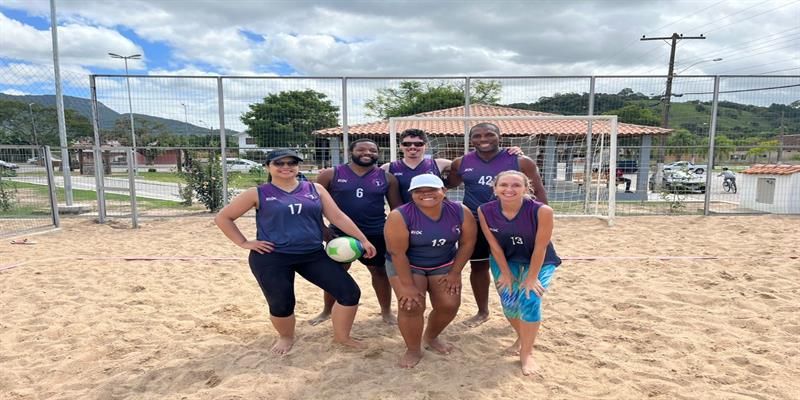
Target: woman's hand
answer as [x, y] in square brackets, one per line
[515, 151]
[259, 246]
[369, 249]
[452, 281]
[409, 297]
[532, 285]
[504, 282]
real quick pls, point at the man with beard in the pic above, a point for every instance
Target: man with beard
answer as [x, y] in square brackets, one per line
[358, 188]
[477, 170]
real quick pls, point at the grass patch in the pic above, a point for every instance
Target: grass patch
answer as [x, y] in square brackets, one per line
[41, 191]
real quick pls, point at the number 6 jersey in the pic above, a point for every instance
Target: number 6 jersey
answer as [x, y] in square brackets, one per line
[360, 197]
[290, 220]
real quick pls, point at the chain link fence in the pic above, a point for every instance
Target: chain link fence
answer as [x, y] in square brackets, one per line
[179, 122]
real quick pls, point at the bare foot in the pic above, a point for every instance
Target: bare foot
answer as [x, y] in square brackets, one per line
[350, 342]
[389, 318]
[512, 350]
[439, 346]
[282, 345]
[322, 317]
[410, 359]
[477, 320]
[530, 367]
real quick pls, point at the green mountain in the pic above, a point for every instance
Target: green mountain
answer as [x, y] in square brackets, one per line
[108, 117]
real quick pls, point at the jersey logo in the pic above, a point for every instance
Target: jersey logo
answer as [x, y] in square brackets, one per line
[469, 169]
[456, 229]
[397, 173]
[377, 182]
[270, 198]
[312, 196]
[494, 229]
[341, 180]
[416, 232]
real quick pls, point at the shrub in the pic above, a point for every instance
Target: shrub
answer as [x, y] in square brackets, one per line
[205, 180]
[8, 193]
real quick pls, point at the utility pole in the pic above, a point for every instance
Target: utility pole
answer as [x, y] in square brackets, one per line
[780, 143]
[667, 97]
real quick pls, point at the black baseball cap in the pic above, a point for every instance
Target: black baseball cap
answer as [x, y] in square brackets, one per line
[276, 154]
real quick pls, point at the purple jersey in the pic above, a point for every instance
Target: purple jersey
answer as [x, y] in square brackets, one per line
[432, 243]
[361, 197]
[517, 236]
[478, 176]
[290, 220]
[404, 173]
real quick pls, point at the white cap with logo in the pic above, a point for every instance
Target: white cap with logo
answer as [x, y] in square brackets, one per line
[426, 180]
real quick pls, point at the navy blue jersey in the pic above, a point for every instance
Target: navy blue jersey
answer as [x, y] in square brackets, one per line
[290, 220]
[432, 243]
[361, 197]
[517, 236]
[478, 176]
[404, 173]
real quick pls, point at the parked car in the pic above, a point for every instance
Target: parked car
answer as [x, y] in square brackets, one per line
[686, 166]
[240, 164]
[8, 165]
[680, 182]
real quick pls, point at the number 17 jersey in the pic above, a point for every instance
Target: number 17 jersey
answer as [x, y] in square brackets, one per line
[290, 220]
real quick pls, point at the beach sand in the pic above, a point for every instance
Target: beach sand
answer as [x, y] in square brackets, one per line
[79, 322]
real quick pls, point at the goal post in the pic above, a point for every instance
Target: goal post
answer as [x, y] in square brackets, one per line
[576, 155]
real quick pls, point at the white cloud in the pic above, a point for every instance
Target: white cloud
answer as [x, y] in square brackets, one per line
[13, 92]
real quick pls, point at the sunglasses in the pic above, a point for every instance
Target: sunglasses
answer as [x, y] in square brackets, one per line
[415, 144]
[292, 163]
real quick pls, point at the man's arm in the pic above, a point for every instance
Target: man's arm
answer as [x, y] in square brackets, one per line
[529, 168]
[454, 178]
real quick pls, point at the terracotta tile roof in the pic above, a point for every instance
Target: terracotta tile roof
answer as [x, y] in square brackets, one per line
[772, 169]
[508, 128]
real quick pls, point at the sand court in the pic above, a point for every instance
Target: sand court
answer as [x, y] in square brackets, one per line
[84, 316]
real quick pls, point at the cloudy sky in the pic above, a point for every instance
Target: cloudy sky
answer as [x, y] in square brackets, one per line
[389, 38]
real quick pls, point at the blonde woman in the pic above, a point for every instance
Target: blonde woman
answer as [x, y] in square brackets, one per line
[518, 230]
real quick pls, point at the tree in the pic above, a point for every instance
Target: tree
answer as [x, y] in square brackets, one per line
[16, 124]
[414, 97]
[635, 114]
[764, 148]
[286, 119]
[578, 104]
[681, 142]
[723, 147]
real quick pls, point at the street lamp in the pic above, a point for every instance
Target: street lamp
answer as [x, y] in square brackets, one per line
[130, 104]
[185, 120]
[699, 62]
[33, 125]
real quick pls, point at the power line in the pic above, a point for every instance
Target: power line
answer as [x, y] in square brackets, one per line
[728, 16]
[757, 66]
[751, 17]
[737, 45]
[777, 70]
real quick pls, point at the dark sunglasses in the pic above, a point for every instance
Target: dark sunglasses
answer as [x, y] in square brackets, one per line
[415, 144]
[292, 163]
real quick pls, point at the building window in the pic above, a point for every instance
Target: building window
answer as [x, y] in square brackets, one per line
[249, 140]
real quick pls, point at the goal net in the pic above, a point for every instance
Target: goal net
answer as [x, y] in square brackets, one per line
[576, 155]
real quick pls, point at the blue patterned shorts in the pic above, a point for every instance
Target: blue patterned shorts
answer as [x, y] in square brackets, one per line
[515, 304]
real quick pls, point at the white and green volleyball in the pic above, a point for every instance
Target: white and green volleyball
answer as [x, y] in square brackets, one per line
[344, 249]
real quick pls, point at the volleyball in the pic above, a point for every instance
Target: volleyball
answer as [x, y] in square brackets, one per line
[344, 249]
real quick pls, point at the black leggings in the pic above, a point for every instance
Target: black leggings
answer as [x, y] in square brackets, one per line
[275, 274]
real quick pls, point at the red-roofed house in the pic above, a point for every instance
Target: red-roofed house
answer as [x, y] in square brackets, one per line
[547, 141]
[771, 188]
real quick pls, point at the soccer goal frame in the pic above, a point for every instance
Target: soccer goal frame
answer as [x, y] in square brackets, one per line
[603, 165]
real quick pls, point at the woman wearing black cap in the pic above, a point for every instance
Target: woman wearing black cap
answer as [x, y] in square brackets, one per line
[288, 240]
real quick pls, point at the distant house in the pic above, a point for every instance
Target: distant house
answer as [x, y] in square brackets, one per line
[549, 142]
[790, 153]
[245, 141]
[770, 188]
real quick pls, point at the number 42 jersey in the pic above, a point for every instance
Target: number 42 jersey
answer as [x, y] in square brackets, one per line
[478, 176]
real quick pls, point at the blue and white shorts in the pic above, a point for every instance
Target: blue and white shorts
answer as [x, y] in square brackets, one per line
[515, 304]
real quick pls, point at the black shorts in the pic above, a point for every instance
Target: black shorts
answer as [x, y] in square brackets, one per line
[380, 249]
[481, 251]
[275, 274]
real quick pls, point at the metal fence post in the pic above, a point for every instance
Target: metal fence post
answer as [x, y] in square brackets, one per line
[587, 160]
[97, 155]
[132, 186]
[712, 133]
[51, 185]
[223, 141]
[345, 124]
[467, 113]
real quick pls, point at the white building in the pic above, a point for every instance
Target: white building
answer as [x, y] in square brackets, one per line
[245, 142]
[770, 188]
